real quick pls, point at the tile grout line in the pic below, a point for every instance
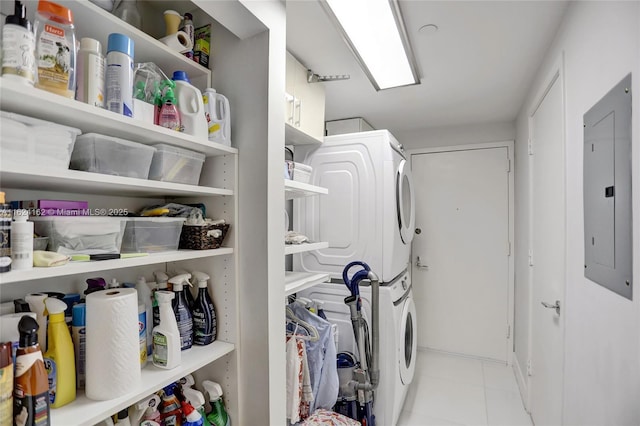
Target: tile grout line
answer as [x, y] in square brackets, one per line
[484, 389]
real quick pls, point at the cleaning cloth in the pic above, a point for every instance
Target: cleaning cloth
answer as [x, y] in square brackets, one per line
[49, 258]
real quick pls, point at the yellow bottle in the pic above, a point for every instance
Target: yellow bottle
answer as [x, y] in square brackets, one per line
[59, 359]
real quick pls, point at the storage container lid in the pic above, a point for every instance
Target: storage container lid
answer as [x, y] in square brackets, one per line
[180, 151]
[30, 121]
[96, 137]
[156, 219]
[55, 12]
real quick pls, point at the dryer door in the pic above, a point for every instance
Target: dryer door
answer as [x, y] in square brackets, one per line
[405, 200]
[408, 341]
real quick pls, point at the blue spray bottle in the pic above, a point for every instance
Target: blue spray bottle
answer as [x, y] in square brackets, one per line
[205, 324]
[181, 310]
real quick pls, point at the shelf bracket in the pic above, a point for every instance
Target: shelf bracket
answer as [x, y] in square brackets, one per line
[315, 78]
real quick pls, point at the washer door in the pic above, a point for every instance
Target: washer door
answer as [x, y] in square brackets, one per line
[405, 200]
[408, 341]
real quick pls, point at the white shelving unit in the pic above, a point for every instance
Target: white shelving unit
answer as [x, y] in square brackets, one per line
[301, 248]
[293, 189]
[298, 281]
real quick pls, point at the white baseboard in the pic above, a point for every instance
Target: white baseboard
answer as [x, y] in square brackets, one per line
[523, 384]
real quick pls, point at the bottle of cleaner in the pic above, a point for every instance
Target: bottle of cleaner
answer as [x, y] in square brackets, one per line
[55, 49]
[169, 115]
[205, 324]
[6, 383]
[218, 115]
[145, 297]
[166, 336]
[218, 415]
[31, 385]
[186, 290]
[79, 337]
[191, 415]
[142, 333]
[21, 241]
[36, 304]
[170, 411]
[190, 106]
[123, 418]
[196, 399]
[119, 74]
[5, 231]
[18, 47]
[181, 311]
[162, 284]
[90, 87]
[59, 359]
[146, 410]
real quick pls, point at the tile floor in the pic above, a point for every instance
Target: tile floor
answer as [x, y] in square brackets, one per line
[453, 390]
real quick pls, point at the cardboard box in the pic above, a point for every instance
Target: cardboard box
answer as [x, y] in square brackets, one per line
[202, 45]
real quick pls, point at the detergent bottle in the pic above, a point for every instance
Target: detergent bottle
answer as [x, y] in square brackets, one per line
[205, 324]
[218, 415]
[166, 336]
[190, 106]
[188, 297]
[196, 399]
[147, 411]
[170, 411]
[218, 116]
[191, 415]
[181, 310]
[59, 360]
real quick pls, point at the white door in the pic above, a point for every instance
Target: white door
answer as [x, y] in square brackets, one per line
[462, 284]
[548, 257]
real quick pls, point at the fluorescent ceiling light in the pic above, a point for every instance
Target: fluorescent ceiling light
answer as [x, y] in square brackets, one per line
[377, 39]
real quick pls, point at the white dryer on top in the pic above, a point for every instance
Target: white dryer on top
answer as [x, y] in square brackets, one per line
[368, 214]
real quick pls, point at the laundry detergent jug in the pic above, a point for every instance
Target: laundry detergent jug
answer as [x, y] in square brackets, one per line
[190, 106]
[218, 116]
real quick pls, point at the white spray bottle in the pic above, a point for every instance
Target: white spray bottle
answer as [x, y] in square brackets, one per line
[196, 399]
[166, 336]
[181, 310]
[36, 304]
[146, 410]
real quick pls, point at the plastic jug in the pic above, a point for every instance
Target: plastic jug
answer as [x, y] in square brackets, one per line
[218, 116]
[190, 106]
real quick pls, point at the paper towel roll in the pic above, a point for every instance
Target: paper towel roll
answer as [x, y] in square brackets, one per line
[180, 42]
[112, 345]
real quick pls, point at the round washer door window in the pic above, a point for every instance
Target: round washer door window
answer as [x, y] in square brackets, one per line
[408, 341]
[405, 200]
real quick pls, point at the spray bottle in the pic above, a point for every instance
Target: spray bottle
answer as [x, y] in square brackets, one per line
[146, 411]
[191, 415]
[36, 304]
[181, 311]
[166, 336]
[218, 415]
[162, 285]
[188, 297]
[205, 324]
[169, 115]
[196, 399]
[145, 297]
[170, 410]
[59, 359]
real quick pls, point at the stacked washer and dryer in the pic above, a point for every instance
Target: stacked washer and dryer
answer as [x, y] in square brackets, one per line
[368, 215]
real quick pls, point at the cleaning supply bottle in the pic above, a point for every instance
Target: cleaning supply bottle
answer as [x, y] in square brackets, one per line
[36, 304]
[21, 241]
[181, 310]
[18, 47]
[123, 418]
[142, 333]
[5, 234]
[170, 411]
[31, 385]
[146, 410]
[186, 289]
[119, 74]
[197, 401]
[79, 337]
[205, 324]
[166, 336]
[145, 297]
[218, 415]
[90, 87]
[190, 106]
[6, 383]
[162, 284]
[169, 115]
[59, 359]
[191, 415]
[218, 116]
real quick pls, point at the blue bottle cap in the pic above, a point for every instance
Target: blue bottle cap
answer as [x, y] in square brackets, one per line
[120, 43]
[70, 299]
[78, 318]
[180, 75]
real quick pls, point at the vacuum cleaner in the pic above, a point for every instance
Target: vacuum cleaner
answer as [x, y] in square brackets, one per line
[359, 379]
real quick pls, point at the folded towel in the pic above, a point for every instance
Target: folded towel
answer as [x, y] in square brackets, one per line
[49, 258]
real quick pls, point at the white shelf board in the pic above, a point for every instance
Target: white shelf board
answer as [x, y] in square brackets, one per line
[73, 268]
[293, 189]
[295, 136]
[84, 411]
[298, 281]
[33, 102]
[76, 181]
[301, 248]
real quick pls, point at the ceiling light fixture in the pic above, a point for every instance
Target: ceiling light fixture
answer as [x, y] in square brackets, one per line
[375, 33]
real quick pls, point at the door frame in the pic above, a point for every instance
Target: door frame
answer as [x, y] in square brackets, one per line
[553, 75]
[509, 144]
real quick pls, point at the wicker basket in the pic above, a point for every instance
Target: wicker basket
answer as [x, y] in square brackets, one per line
[195, 237]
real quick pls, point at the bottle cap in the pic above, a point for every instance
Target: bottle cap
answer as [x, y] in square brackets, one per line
[188, 16]
[28, 328]
[120, 43]
[202, 278]
[123, 414]
[213, 389]
[21, 305]
[180, 76]
[55, 12]
[79, 315]
[2, 199]
[54, 306]
[91, 44]
[19, 17]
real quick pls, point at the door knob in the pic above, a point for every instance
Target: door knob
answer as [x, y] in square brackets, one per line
[418, 231]
[420, 265]
[550, 306]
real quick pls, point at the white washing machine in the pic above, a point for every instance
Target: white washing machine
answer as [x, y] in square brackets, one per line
[368, 214]
[398, 341]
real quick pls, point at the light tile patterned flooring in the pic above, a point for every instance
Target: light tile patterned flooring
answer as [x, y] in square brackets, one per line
[454, 390]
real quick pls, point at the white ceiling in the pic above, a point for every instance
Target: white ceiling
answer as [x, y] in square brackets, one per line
[476, 68]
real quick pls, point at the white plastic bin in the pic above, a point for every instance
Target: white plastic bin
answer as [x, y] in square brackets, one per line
[172, 164]
[81, 234]
[152, 234]
[32, 142]
[111, 156]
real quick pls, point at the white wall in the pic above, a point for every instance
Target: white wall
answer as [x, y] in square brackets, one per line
[455, 135]
[601, 44]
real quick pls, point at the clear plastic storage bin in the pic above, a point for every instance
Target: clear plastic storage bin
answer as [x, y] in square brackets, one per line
[111, 156]
[81, 234]
[172, 164]
[299, 172]
[152, 234]
[33, 142]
